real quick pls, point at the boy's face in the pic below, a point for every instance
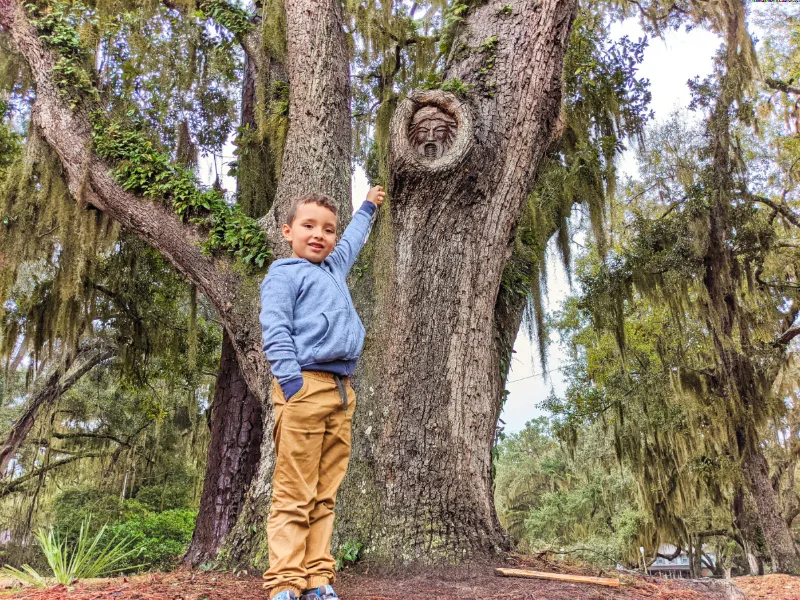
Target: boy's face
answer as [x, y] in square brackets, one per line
[312, 234]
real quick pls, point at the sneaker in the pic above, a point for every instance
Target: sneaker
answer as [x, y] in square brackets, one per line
[324, 592]
[285, 595]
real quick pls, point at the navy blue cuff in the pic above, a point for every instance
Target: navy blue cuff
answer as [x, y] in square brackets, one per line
[291, 387]
[368, 206]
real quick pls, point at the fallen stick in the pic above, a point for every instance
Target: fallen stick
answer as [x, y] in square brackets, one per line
[557, 576]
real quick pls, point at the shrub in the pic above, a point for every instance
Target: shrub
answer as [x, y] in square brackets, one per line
[72, 506]
[164, 497]
[163, 537]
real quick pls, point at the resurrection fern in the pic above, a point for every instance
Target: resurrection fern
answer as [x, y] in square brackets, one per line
[142, 169]
[56, 31]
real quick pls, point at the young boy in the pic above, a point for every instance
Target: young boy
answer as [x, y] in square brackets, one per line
[313, 338]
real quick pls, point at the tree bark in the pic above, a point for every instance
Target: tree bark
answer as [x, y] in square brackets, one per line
[233, 456]
[419, 486]
[748, 530]
[316, 157]
[60, 380]
[778, 536]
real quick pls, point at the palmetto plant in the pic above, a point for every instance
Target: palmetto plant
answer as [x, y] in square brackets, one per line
[83, 560]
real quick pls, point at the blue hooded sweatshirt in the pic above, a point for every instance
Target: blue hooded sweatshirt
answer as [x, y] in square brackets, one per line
[308, 321]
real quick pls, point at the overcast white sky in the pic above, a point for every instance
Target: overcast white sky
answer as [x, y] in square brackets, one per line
[668, 64]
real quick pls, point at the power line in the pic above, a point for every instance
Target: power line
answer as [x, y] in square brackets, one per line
[538, 374]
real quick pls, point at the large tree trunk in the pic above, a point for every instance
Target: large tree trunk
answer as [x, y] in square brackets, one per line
[233, 457]
[420, 481]
[778, 536]
[747, 523]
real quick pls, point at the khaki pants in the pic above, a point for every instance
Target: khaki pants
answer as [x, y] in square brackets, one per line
[312, 447]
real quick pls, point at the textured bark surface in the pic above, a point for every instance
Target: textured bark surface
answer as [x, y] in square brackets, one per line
[233, 456]
[778, 537]
[433, 384]
[59, 381]
[746, 522]
[316, 157]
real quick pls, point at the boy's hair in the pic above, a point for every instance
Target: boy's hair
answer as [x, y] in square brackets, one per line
[319, 199]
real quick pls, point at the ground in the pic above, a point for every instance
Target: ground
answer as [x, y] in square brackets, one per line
[462, 583]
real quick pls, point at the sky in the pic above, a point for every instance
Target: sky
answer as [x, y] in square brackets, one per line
[668, 63]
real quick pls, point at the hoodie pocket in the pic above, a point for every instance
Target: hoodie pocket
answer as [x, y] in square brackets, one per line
[338, 341]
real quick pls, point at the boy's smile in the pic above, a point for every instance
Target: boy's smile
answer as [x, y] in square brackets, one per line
[312, 234]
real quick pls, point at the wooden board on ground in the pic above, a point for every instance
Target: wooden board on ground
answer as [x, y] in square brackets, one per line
[557, 577]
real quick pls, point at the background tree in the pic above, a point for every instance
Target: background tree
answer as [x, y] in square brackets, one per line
[703, 247]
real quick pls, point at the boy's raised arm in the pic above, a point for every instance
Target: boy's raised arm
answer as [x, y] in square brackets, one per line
[277, 314]
[355, 235]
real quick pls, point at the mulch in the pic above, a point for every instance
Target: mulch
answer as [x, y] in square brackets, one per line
[466, 582]
[770, 587]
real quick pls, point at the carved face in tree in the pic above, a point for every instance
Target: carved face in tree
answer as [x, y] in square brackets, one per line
[432, 132]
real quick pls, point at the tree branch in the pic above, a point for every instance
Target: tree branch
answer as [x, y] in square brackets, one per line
[250, 42]
[68, 131]
[787, 336]
[781, 86]
[781, 209]
[14, 485]
[672, 556]
[57, 383]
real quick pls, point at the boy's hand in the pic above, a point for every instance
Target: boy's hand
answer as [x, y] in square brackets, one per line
[376, 195]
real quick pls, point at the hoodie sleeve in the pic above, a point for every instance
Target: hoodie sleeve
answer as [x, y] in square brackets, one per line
[353, 239]
[278, 295]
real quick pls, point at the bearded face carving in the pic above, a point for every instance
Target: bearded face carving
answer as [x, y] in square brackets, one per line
[432, 132]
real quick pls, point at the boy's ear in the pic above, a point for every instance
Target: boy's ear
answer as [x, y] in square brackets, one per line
[286, 230]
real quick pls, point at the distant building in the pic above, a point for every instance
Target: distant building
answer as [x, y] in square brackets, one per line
[677, 567]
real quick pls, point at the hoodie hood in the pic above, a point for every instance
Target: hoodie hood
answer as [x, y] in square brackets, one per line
[285, 262]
